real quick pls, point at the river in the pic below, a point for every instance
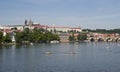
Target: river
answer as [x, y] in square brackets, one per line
[62, 57]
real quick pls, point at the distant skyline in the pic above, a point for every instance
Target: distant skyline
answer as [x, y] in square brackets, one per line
[93, 14]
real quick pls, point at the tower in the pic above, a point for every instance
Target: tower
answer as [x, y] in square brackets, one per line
[25, 22]
[30, 22]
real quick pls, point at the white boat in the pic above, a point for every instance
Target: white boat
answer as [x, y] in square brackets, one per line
[54, 41]
[31, 44]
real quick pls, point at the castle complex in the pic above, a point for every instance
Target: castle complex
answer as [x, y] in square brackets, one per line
[62, 31]
[31, 25]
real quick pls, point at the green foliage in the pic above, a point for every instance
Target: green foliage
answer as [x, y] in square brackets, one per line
[1, 37]
[71, 37]
[49, 36]
[103, 31]
[36, 35]
[56, 37]
[26, 30]
[19, 37]
[7, 39]
[82, 37]
[15, 28]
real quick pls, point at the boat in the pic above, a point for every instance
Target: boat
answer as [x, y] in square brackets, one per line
[31, 44]
[54, 41]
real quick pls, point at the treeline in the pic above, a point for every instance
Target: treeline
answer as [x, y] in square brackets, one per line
[35, 35]
[103, 31]
[27, 36]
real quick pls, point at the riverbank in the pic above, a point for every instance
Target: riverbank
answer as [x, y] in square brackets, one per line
[32, 43]
[9, 44]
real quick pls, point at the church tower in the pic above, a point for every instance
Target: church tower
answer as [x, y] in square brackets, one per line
[30, 22]
[26, 22]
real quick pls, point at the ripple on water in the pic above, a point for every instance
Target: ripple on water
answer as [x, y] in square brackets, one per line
[88, 57]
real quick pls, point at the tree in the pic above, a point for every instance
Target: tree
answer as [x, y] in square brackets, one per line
[71, 37]
[36, 35]
[56, 37]
[103, 31]
[26, 30]
[55, 30]
[19, 37]
[15, 28]
[49, 36]
[82, 37]
[7, 39]
[26, 34]
[43, 38]
[1, 37]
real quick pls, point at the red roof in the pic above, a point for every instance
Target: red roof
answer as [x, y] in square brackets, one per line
[7, 30]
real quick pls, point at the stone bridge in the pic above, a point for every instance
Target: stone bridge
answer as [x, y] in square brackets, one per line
[106, 39]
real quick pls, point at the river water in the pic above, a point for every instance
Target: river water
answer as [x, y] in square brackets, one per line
[63, 57]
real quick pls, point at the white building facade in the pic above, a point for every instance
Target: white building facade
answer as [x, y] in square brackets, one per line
[64, 29]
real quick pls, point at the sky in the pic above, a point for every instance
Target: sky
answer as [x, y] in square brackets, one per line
[92, 14]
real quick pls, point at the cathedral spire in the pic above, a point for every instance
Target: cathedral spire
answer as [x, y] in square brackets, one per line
[30, 22]
[26, 22]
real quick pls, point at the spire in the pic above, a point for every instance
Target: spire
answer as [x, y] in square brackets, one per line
[25, 22]
[30, 22]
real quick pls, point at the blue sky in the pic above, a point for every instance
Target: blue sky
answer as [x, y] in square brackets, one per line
[85, 13]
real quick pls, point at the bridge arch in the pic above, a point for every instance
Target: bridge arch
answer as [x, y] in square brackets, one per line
[92, 39]
[100, 39]
[108, 39]
[117, 40]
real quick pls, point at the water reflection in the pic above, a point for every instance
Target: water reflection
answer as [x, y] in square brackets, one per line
[66, 57]
[13, 49]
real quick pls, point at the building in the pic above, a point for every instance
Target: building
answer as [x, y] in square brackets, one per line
[58, 28]
[31, 25]
[64, 37]
[77, 29]
[10, 27]
[63, 29]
